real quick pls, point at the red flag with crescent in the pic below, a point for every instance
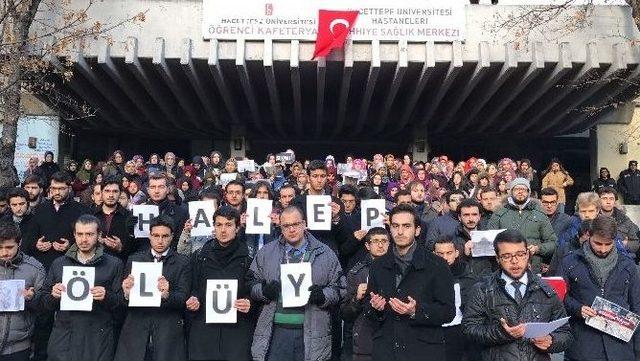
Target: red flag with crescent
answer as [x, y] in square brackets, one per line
[333, 29]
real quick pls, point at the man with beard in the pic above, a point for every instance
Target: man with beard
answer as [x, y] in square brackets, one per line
[19, 206]
[500, 305]
[455, 343]
[33, 186]
[117, 221]
[469, 215]
[599, 270]
[411, 295]
[86, 336]
[522, 214]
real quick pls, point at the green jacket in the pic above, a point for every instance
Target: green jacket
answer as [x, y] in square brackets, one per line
[532, 223]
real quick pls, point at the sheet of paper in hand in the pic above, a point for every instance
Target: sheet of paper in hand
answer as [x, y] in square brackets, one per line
[295, 279]
[248, 165]
[11, 297]
[201, 213]
[483, 243]
[227, 177]
[540, 329]
[78, 282]
[221, 294]
[259, 216]
[372, 213]
[145, 292]
[145, 213]
[613, 319]
[319, 213]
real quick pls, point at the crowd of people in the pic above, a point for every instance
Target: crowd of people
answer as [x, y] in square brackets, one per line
[413, 289]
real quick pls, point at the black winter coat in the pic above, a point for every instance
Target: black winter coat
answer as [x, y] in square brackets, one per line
[339, 232]
[164, 324]
[220, 341]
[53, 225]
[629, 186]
[428, 280]
[84, 336]
[478, 266]
[121, 226]
[622, 287]
[489, 302]
[352, 309]
[178, 214]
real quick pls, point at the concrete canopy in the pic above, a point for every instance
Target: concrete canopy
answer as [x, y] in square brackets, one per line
[161, 78]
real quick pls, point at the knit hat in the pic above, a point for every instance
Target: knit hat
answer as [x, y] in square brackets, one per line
[520, 182]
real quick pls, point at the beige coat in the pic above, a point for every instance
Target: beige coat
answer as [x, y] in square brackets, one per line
[558, 181]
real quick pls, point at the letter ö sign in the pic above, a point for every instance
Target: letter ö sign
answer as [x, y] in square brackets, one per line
[78, 282]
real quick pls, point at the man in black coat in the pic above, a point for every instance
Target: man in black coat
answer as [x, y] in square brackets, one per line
[629, 183]
[469, 216]
[158, 190]
[118, 222]
[161, 327]
[411, 295]
[20, 214]
[501, 304]
[358, 338]
[86, 336]
[223, 257]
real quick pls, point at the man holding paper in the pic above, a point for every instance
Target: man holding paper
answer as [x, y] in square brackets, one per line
[224, 259]
[501, 304]
[83, 335]
[16, 325]
[599, 269]
[151, 322]
[301, 271]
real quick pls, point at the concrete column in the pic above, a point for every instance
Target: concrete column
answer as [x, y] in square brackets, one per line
[420, 145]
[238, 143]
[616, 141]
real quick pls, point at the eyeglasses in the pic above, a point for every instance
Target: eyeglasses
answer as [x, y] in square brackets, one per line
[291, 226]
[378, 242]
[548, 203]
[508, 256]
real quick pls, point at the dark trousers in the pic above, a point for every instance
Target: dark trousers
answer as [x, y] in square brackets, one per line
[287, 344]
[17, 356]
[41, 333]
[454, 343]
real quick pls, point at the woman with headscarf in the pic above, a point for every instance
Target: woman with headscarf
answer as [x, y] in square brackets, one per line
[217, 163]
[198, 167]
[406, 176]
[47, 168]
[115, 165]
[185, 190]
[154, 165]
[190, 172]
[83, 176]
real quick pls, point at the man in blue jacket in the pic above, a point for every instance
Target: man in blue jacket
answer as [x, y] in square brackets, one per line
[598, 269]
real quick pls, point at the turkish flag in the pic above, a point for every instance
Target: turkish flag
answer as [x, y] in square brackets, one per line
[333, 29]
[558, 284]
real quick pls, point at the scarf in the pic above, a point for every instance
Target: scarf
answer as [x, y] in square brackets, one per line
[600, 267]
[403, 261]
[224, 255]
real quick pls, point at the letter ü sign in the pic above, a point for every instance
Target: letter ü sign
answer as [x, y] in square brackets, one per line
[333, 29]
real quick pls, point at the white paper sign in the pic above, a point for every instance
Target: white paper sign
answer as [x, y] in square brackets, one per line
[145, 214]
[78, 282]
[483, 243]
[295, 279]
[201, 214]
[11, 297]
[458, 318]
[221, 294]
[319, 213]
[248, 165]
[145, 292]
[259, 216]
[372, 213]
[227, 177]
[540, 329]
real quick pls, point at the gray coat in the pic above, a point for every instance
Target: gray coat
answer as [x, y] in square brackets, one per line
[16, 328]
[325, 271]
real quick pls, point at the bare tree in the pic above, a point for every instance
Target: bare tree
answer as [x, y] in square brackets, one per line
[31, 31]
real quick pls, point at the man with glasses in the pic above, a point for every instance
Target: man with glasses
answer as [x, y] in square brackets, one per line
[358, 337]
[500, 305]
[49, 236]
[298, 333]
[560, 221]
[522, 213]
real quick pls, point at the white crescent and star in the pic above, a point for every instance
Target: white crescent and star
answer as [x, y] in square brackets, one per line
[335, 22]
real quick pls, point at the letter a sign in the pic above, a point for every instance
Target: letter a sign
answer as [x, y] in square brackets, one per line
[78, 282]
[145, 292]
[295, 279]
[201, 212]
[219, 301]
